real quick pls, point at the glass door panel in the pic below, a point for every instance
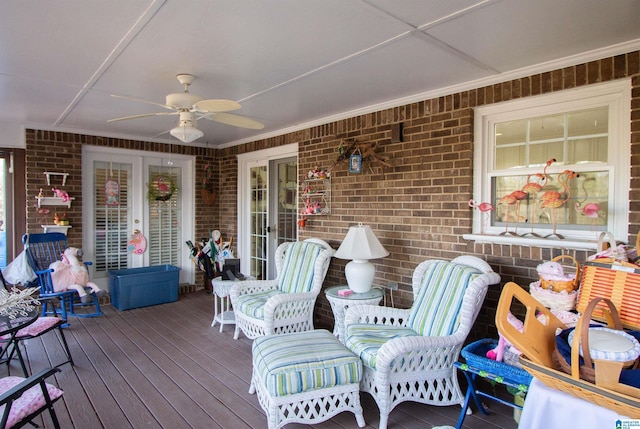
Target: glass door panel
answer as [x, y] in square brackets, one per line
[258, 233]
[5, 209]
[164, 215]
[112, 218]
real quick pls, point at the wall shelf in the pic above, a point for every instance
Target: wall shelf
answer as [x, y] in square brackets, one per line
[317, 195]
[53, 201]
[50, 173]
[56, 228]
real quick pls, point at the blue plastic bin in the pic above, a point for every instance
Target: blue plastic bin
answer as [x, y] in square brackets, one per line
[141, 287]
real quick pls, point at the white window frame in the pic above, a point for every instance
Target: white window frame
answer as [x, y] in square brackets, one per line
[617, 96]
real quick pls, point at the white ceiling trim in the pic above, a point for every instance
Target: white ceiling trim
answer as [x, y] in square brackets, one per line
[140, 23]
[585, 57]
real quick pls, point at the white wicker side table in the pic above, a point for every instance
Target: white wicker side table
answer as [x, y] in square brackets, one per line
[222, 312]
[339, 304]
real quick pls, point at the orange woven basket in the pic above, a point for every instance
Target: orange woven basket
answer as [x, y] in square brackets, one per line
[563, 285]
[615, 280]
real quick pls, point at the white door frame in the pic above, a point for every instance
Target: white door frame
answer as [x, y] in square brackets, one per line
[139, 197]
[246, 161]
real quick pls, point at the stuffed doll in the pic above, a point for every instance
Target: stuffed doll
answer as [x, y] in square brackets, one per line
[498, 353]
[71, 274]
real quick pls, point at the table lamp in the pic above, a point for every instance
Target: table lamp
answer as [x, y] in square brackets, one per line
[360, 245]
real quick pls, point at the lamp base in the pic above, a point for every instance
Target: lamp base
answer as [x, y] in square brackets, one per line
[360, 274]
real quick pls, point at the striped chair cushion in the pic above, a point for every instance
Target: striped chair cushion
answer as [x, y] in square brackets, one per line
[298, 267]
[303, 361]
[436, 310]
[252, 304]
[366, 339]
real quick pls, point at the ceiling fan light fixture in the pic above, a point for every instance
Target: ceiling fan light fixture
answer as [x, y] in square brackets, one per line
[186, 130]
[186, 134]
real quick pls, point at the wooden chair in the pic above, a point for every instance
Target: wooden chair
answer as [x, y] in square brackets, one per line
[285, 304]
[408, 355]
[42, 250]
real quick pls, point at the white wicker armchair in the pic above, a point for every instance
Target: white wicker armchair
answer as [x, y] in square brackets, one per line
[411, 357]
[285, 304]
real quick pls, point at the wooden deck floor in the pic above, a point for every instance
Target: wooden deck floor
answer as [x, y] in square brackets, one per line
[165, 367]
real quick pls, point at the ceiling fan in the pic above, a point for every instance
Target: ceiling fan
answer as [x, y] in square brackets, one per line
[190, 108]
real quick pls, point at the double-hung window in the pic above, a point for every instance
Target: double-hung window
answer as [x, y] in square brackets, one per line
[554, 167]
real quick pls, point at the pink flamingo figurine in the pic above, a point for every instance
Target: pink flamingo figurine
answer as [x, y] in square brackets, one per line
[590, 210]
[536, 183]
[509, 200]
[554, 199]
[484, 208]
[162, 187]
[519, 195]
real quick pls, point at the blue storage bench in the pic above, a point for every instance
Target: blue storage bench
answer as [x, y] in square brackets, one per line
[141, 287]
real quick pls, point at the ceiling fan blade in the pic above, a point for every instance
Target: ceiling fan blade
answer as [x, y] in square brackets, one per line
[236, 121]
[219, 105]
[140, 100]
[144, 115]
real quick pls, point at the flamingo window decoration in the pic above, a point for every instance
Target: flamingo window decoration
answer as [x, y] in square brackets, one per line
[556, 199]
[485, 209]
[535, 184]
[590, 210]
[512, 199]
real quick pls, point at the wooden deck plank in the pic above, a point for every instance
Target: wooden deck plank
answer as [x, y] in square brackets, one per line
[198, 385]
[166, 367]
[143, 378]
[102, 380]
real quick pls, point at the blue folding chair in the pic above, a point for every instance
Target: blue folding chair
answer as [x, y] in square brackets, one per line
[42, 250]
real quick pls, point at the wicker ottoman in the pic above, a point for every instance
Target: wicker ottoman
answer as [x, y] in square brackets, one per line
[305, 377]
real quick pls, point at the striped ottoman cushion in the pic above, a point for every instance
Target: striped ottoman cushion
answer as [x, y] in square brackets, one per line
[303, 361]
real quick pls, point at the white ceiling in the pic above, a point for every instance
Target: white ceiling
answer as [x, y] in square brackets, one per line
[290, 63]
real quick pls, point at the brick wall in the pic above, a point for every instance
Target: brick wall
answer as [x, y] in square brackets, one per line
[418, 207]
[62, 152]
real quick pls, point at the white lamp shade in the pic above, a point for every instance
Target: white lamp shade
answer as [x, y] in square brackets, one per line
[360, 245]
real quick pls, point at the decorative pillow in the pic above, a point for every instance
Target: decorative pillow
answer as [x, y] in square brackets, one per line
[436, 310]
[629, 377]
[298, 267]
[610, 344]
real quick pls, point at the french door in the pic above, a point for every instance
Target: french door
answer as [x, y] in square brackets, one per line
[6, 208]
[137, 211]
[267, 207]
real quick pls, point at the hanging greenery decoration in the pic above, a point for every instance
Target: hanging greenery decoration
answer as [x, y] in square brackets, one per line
[161, 189]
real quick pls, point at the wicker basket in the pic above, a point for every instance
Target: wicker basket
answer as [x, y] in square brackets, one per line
[537, 342]
[581, 339]
[621, 403]
[475, 355]
[615, 280]
[563, 285]
[554, 300]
